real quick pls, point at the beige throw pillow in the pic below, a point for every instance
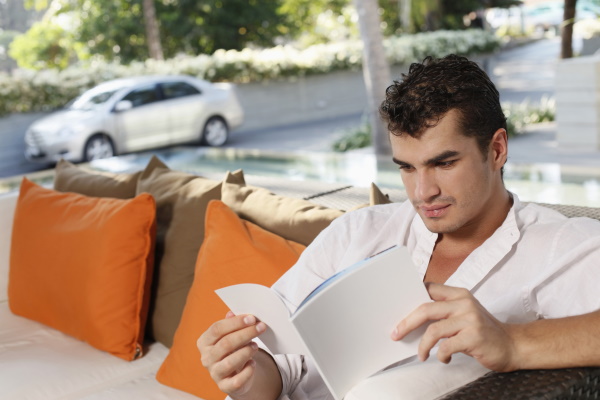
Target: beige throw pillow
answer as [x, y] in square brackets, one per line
[293, 219]
[376, 196]
[181, 201]
[71, 178]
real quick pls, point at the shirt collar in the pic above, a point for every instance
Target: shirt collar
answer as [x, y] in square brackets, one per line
[482, 260]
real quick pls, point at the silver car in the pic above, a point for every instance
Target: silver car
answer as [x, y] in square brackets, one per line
[134, 114]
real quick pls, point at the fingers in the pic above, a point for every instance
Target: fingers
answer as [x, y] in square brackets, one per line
[425, 312]
[452, 345]
[464, 324]
[444, 329]
[229, 325]
[453, 309]
[234, 363]
[237, 382]
[226, 336]
[227, 351]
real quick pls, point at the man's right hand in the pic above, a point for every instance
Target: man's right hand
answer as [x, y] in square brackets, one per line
[227, 352]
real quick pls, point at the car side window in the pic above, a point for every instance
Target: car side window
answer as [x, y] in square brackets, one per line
[173, 90]
[142, 96]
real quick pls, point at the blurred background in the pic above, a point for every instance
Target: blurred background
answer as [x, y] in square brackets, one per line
[308, 74]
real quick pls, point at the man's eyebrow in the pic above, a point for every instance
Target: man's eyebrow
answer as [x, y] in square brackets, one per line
[432, 161]
[441, 157]
[401, 163]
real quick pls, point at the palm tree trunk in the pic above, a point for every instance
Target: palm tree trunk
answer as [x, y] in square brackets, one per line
[567, 29]
[376, 70]
[152, 32]
[404, 7]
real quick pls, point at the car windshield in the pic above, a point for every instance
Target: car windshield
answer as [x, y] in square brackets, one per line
[90, 100]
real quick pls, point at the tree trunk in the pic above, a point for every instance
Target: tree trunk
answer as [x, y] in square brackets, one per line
[404, 7]
[376, 70]
[567, 29]
[152, 32]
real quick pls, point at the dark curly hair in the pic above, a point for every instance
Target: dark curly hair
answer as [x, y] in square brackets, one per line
[436, 86]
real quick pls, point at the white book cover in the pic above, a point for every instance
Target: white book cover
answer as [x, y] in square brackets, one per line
[345, 324]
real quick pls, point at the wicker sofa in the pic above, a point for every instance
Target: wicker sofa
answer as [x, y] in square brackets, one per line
[39, 362]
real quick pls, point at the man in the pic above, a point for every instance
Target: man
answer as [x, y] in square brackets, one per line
[506, 278]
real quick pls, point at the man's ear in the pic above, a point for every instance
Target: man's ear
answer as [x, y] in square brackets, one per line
[498, 152]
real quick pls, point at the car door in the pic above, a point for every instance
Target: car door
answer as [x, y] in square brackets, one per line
[146, 124]
[185, 106]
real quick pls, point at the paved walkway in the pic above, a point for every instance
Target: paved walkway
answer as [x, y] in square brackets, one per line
[539, 145]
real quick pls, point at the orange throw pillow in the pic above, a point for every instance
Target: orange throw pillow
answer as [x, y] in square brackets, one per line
[83, 265]
[234, 251]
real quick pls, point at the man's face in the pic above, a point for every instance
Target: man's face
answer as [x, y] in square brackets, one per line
[447, 178]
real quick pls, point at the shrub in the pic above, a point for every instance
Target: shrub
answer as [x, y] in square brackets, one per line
[354, 138]
[518, 116]
[28, 90]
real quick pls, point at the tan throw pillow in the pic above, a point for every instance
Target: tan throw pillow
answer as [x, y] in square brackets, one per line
[71, 178]
[293, 219]
[376, 196]
[181, 201]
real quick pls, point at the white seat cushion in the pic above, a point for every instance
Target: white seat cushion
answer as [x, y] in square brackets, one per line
[142, 388]
[40, 363]
[419, 380]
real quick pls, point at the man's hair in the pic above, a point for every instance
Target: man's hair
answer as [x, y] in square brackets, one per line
[436, 86]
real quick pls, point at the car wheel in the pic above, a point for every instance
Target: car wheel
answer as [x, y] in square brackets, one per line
[97, 147]
[215, 132]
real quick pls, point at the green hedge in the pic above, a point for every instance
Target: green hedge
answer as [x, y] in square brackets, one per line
[26, 91]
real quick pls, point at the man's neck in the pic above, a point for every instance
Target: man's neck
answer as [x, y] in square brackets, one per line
[451, 249]
[475, 233]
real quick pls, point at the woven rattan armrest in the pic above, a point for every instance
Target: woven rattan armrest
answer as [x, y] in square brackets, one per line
[568, 383]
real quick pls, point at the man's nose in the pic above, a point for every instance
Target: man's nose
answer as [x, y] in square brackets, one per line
[427, 187]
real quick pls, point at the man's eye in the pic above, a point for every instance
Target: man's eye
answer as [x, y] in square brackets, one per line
[405, 168]
[446, 164]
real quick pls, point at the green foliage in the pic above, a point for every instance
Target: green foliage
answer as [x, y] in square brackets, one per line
[6, 38]
[37, 5]
[45, 45]
[206, 26]
[330, 26]
[30, 90]
[390, 17]
[302, 16]
[518, 116]
[114, 29]
[354, 138]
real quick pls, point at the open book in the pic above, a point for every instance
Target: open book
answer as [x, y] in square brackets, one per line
[345, 324]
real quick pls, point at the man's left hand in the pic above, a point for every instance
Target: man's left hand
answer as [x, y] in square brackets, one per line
[466, 326]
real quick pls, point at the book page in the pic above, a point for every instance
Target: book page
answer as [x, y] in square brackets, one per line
[262, 302]
[346, 326]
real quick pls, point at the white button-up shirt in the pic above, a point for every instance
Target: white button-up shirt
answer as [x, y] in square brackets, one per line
[538, 264]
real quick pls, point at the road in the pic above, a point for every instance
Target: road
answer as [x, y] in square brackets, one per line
[521, 73]
[12, 145]
[526, 72]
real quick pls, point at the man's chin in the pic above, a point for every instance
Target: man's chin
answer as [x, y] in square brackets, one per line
[438, 226]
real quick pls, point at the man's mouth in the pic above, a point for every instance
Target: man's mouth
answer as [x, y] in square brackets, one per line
[434, 211]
